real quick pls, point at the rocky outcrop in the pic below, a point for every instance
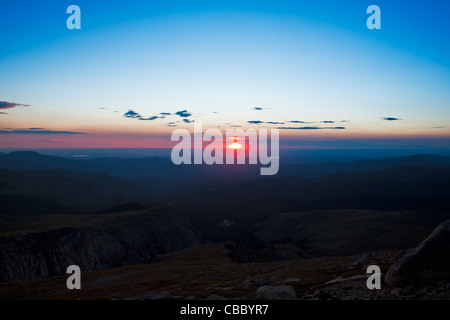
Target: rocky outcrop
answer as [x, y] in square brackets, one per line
[428, 263]
[115, 240]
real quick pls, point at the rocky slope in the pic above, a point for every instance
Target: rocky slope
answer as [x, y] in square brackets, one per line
[94, 243]
[422, 273]
[203, 272]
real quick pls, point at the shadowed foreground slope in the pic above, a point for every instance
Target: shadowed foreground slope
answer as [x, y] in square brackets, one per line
[94, 242]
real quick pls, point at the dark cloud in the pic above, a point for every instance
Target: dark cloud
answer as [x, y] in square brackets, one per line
[274, 122]
[10, 105]
[4, 113]
[257, 108]
[437, 127]
[132, 114]
[164, 114]
[255, 122]
[390, 119]
[327, 121]
[183, 113]
[296, 121]
[187, 120]
[37, 131]
[345, 121]
[311, 128]
[102, 108]
[215, 112]
[149, 118]
[171, 124]
[299, 128]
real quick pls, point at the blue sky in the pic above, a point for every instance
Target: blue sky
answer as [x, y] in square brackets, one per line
[305, 64]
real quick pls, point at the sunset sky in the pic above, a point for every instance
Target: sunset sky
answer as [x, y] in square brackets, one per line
[137, 70]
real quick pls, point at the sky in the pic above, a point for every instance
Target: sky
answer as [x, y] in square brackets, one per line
[137, 70]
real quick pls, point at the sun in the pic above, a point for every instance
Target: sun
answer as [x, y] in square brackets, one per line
[235, 145]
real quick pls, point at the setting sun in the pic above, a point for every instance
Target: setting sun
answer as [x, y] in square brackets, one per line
[235, 145]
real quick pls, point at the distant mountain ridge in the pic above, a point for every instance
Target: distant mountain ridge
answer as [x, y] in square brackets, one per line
[389, 184]
[161, 167]
[130, 168]
[322, 169]
[209, 195]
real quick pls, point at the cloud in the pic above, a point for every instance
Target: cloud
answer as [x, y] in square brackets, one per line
[131, 114]
[134, 115]
[327, 121]
[183, 113]
[171, 124]
[102, 108]
[255, 122]
[37, 131]
[187, 120]
[345, 121]
[390, 119]
[10, 105]
[296, 121]
[311, 128]
[4, 113]
[268, 122]
[260, 108]
[149, 118]
[164, 114]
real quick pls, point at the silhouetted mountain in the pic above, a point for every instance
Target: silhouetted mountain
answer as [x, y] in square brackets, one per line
[135, 168]
[23, 193]
[13, 204]
[234, 195]
[345, 232]
[321, 169]
[130, 206]
[160, 167]
[107, 184]
[251, 201]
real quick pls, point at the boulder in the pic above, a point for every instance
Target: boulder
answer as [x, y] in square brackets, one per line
[427, 264]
